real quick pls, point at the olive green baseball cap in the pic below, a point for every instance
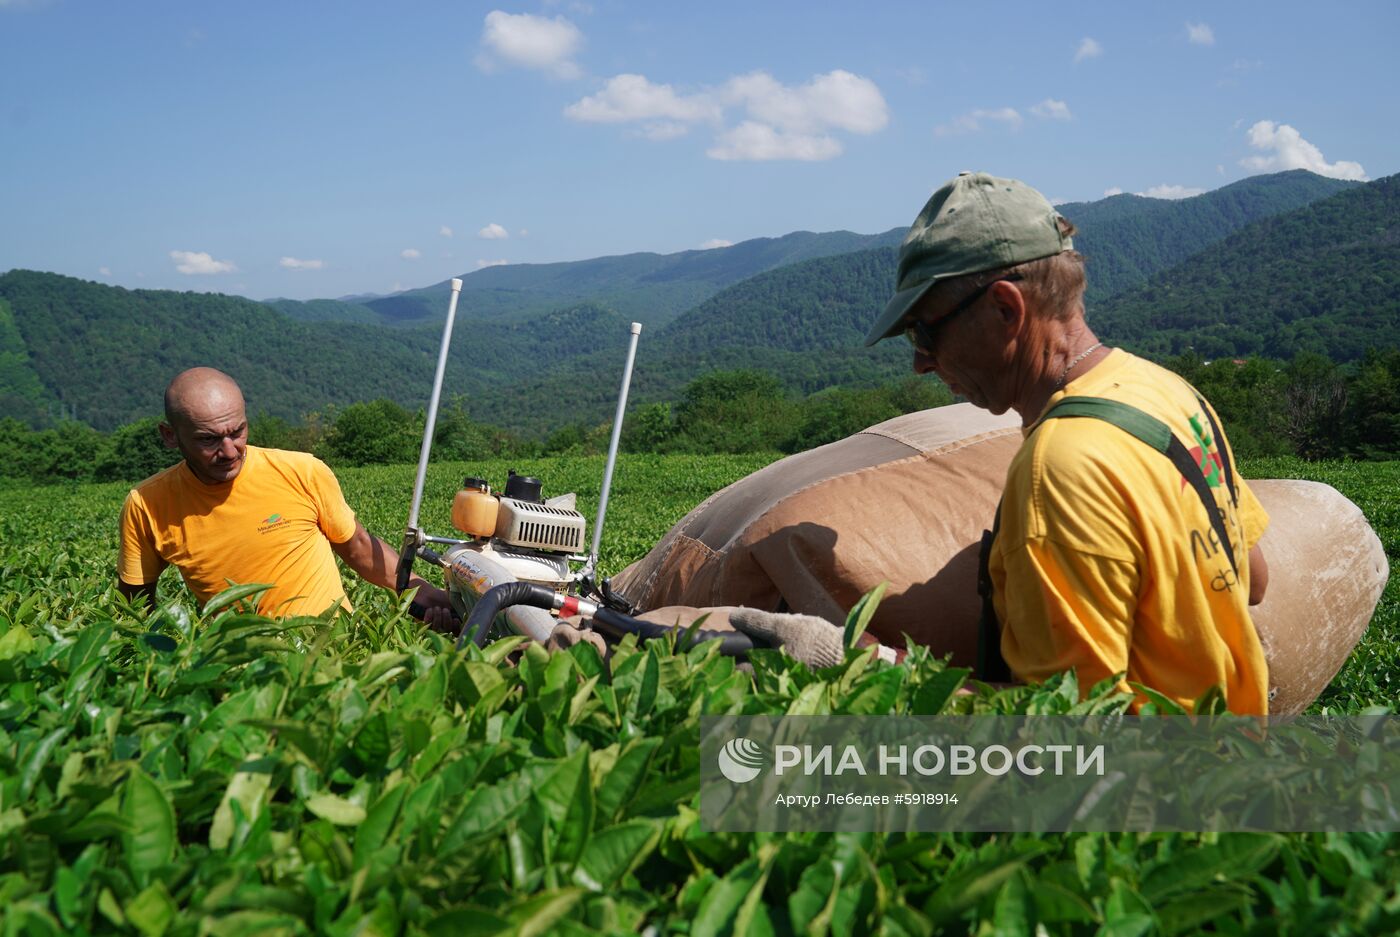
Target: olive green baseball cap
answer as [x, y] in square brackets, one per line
[973, 223]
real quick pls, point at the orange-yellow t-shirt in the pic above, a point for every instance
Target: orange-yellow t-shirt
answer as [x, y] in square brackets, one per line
[1106, 560]
[273, 523]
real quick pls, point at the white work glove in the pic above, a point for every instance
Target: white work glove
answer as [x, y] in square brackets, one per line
[565, 636]
[814, 641]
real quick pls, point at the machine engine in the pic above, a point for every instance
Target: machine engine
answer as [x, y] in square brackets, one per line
[516, 535]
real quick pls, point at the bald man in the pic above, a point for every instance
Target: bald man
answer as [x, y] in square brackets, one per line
[235, 513]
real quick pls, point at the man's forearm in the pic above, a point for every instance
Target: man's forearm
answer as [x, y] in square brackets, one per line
[375, 561]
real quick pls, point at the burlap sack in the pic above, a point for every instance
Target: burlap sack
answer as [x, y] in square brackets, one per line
[907, 500]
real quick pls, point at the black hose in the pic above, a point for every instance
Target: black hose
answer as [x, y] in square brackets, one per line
[610, 622]
[496, 599]
[616, 625]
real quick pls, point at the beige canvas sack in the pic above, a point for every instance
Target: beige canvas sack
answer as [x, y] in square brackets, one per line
[907, 500]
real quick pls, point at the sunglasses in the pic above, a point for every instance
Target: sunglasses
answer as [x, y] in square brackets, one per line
[924, 335]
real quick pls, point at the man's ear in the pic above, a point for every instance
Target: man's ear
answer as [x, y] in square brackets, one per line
[1011, 306]
[167, 435]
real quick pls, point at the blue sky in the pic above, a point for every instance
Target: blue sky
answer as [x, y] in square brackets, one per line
[323, 149]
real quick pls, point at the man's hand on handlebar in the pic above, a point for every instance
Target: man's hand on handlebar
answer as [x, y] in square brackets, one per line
[434, 606]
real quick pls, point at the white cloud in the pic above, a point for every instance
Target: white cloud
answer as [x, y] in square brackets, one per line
[754, 141]
[1088, 49]
[105, 271]
[1200, 34]
[445, 231]
[779, 121]
[199, 263]
[634, 97]
[292, 263]
[972, 122]
[482, 264]
[664, 130]
[712, 243]
[523, 232]
[1220, 169]
[1109, 193]
[838, 100]
[493, 232]
[1287, 149]
[410, 253]
[530, 41]
[1051, 109]
[1171, 192]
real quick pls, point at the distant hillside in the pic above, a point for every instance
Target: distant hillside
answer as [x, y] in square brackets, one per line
[325, 310]
[650, 288]
[1128, 238]
[1322, 278]
[103, 354]
[805, 322]
[1319, 277]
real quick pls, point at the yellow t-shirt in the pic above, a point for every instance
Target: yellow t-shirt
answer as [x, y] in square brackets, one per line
[274, 523]
[1106, 560]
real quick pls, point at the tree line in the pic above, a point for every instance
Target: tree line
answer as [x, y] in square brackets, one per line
[1309, 406]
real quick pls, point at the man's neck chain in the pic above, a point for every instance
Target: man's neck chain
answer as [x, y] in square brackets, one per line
[1078, 358]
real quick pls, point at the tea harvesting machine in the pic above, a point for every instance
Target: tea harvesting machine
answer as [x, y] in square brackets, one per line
[517, 566]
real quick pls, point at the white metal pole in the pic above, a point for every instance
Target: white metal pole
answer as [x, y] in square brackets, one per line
[433, 408]
[612, 446]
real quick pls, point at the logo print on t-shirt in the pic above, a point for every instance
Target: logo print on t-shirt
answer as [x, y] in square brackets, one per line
[1211, 466]
[270, 522]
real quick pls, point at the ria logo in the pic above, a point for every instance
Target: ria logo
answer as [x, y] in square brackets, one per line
[740, 760]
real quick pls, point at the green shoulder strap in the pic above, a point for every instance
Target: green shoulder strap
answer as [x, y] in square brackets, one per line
[1155, 433]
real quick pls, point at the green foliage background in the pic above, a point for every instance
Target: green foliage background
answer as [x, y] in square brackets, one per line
[226, 774]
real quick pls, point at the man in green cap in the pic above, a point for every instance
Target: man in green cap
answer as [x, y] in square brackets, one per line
[1126, 542]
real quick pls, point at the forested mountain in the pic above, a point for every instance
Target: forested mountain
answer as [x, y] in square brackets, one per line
[805, 323]
[325, 310]
[103, 354]
[1128, 238]
[650, 288]
[1322, 278]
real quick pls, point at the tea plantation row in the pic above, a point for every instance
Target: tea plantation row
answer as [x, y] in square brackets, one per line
[227, 774]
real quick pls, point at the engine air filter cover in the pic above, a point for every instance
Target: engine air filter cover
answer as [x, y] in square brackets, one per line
[539, 526]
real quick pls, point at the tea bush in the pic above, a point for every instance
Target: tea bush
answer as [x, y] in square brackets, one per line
[222, 773]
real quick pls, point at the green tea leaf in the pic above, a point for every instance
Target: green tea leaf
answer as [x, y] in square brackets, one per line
[628, 773]
[152, 911]
[378, 822]
[15, 643]
[149, 842]
[613, 852]
[539, 915]
[861, 613]
[231, 595]
[248, 788]
[811, 906]
[336, 809]
[37, 759]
